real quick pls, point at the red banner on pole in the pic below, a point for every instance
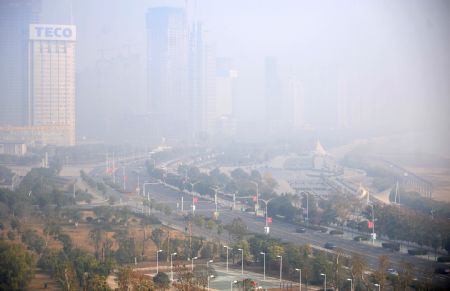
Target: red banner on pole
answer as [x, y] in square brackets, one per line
[370, 224]
[254, 198]
[195, 199]
[269, 220]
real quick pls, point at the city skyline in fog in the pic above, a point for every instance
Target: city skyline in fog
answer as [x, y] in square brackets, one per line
[374, 65]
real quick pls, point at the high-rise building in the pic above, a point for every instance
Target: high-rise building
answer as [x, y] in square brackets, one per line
[15, 18]
[226, 87]
[167, 71]
[273, 94]
[202, 91]
[296, 104]
[52, 78]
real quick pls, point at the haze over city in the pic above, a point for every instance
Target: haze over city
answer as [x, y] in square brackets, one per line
[224, 144]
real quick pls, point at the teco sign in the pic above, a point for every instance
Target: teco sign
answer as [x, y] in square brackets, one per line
[52, 32]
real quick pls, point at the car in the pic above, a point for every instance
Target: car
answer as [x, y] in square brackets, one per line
[442, 270]
[392, 271]
[300, 230]
[330, 246]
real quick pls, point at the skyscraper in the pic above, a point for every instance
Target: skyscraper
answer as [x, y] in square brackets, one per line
[296, 104]
[273, 96]
[52, 79]
[167, 66]
[226, 87]
[15, 17]
[202, 94]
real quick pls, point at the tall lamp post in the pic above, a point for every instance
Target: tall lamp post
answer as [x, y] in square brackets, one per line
[324, 281]
[266, 202]
[157, 260]
[351, 283]
[209, 277]
[373, 226]
[257, 196]
[264, 254]
[192, 263]
[228, 248]
[171, 265]
[207, 270]
[231, 285]
[242, 261]
[281, 267]
[299, 279]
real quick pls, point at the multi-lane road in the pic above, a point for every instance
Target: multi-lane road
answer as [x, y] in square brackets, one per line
[279, 229]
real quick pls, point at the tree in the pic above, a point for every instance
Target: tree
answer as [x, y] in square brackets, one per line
[239, 174]
[380, 273]
[124, 278]
[405, 275]
[237, 228]
[95, 235]
[98, 283]
[157, 236]
[185, 278]
[16, 267]
[162, 281]
[358, 265]
[141, 283]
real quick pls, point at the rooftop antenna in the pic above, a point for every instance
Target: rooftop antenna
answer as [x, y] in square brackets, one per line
[396, 197]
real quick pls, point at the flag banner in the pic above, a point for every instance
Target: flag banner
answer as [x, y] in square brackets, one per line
[254, 198]
[195, 199]
[269, 220]
[370, 224]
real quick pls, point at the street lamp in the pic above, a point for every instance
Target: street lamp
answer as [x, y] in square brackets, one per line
[325, 281]
[266, 202]
[379, 287]
[212, 276]
[231, 285]
[157, 261]
[373, 226]
[300, 279]
[242, 261]
[215, 197]
[281, 267]
[143, 190]
[192, 263]
[207, 269]
[171, 265]
[228, 248]
[264, 254]
[351, 283]
[257, 196]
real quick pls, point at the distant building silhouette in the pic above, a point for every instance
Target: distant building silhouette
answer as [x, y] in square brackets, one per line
[15, 18]
[167, 71]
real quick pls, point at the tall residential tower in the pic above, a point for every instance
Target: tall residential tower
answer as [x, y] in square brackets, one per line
[15, 18]
[167, 66]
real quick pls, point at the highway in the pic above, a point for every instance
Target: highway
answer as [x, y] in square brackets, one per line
[279, 229]
[286, 232]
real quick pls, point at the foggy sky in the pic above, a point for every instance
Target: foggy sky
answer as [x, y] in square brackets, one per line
[395, 52]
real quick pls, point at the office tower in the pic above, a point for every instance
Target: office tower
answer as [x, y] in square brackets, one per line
[296, 104]
[226, 86]
[226, 82]
[52, 79]
[273, 97]
[167, 65]
[201, 82]
[15, 18]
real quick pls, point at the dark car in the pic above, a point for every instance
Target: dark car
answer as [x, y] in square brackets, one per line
[330, 246]
[442, 270]
[300, 230]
